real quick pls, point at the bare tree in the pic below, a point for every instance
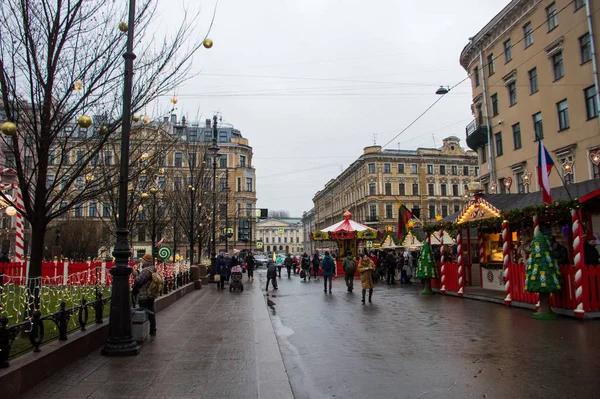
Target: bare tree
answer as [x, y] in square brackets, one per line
[279, 214]
[60, 61]
[79, 239]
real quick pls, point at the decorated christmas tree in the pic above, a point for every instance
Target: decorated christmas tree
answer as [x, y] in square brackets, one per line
[543, 275]
[427, 269]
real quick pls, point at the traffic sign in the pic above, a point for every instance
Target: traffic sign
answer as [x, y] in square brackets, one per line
[280, 230]
[259, 244]
[369, 244]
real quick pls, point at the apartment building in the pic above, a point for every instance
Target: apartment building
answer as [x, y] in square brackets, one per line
[533, 72]
[429, 181]
[284, 235]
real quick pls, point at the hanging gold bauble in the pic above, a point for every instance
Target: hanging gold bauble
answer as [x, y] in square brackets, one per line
[84, 121]
[174, 100]
[145, 156]
[161, 171]
[136, 118]
[207, 43]
[123, 27]
[9, 128]
[103, 129]
[78, 84]
[140, 208]
[146, 119]
[144, 196]
[153, 190]
[89, 177]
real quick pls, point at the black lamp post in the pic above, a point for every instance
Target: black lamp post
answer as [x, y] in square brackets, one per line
[120, 340]
[192, 230]
[227, 190]
[214, 150]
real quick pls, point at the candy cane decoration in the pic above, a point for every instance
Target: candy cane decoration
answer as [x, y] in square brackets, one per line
[506, 241]
[459, 248]
[443, 267]
[19, 231]
[578, 259]
[536, 225]
[481, 242]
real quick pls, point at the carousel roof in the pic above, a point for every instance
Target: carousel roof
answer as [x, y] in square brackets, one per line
[347, 225]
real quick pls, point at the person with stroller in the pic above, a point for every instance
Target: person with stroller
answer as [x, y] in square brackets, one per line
[288, 262]
[349, 267]
[305, 265]
[250, 262]
[140, 289]
[224, 269]
[366, 267]
[271, 275]
[316, 262]
[328, 270]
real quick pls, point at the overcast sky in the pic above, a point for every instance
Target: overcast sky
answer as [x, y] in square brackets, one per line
[309, 82]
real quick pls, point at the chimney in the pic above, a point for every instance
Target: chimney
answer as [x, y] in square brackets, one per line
[166, 119]
[173, 118]
[208, 123]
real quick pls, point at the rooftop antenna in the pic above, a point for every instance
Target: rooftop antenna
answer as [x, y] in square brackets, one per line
[398, 145]
[433, 137]
[374, 138]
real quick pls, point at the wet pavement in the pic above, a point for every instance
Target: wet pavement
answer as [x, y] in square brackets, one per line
[300, 342]
[405, 345]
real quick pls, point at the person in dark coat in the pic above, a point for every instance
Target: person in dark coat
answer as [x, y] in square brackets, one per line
[288, 262]
[224, 270]
[390, 265]
[305, 265]
[349, 267]
[590, 253]
[316, 262]
[271, 275]
[328, 270]
[250, 261]
[559, 252]
[142, 281]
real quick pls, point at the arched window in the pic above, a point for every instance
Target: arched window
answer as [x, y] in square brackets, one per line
[268, 248]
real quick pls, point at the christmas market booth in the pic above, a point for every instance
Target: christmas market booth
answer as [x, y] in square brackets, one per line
[348, 235]
[512, 232]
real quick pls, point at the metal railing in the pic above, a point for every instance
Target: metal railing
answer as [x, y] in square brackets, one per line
[475, 124]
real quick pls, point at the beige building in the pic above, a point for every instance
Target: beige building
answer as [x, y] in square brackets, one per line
[533, 75]
[428, 181]
[281, 236]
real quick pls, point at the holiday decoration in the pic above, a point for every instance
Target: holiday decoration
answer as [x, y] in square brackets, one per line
[146, 119]
[9, 128]
[595, 157]
[136, 118]
[567, 167]
[426, 269]
[165, 252]
[320, 236]
[174, 100]
[103, 129]
[207, 43]
[438, 217]
[367, 234]
[144, 196]
[461, 263]
[542, 275]
[493, 188]
[508, 182]
[506, 261]
[78, 84]
[527, 178]
[84, 121]
[123, 27]
[578, 261]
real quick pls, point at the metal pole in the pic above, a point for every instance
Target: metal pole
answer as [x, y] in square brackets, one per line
[120, 340]
[213, 252]
[191, 188]
[227, 211]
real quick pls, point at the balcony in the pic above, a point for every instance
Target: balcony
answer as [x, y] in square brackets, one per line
[477, 133]
[371, 220]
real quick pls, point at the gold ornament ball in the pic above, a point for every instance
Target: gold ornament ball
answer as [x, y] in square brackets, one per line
[174, 100]
[153, 190]
[145, 196]
[136, 118]
[123, 27]
[84, 121]
[9, 128]
[207, 43]
[78, 84]
[146, 119]
[145, 156]
[103, 129]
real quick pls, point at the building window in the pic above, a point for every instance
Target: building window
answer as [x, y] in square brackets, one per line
[92, 210]
[177, 183]
[538, 128]
[533, 81]
[579, 4]
[223, 137]
[430, 190]
[389, 211]
[476, 76]
[106, 211]
[584, 48]
[429, 169]
[162, 159]
[388, 188]
[223, 161]
[476, 171]
[415, 189]
[491, 68]
[401, 189]
[483, 155]
[192, 159]
[512, 94]
[442, 170]
[444, 189]
[413, 169]
[568, 178]
[591, 102]
[454, 170]
[494, 104]
[520, 183]
[78, 211]
[162, 182]
[401, 168]
[239, 184]
[432, 212]
[516, 129]
[455, 190]
[499, 149]
[372, 189]
[444, 210]
[178, 160]
[507, 51]
[373, 212]
[501, 186]
[558, 68]
[79, 156]
[552, 16]
[371, 168]
[141, 235]
[465, 171]
[249, 187]
[242, 161]
[387, 168]
[527, 34]
[562, 108]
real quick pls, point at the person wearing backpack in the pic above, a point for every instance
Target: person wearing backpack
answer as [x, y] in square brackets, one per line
[328, 270]
[147, 288]
[349, 267]
[288, 262]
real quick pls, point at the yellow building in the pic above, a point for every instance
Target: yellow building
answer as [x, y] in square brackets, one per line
[428, 181]
[533, 71]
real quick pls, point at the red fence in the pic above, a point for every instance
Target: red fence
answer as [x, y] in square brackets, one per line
[450, 277]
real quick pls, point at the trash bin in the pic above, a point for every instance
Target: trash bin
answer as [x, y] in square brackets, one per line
[141, 325]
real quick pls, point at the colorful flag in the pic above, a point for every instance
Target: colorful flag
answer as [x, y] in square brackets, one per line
[545, 164]
[404, 215]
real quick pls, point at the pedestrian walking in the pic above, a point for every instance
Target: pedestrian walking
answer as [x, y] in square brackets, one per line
[366, 267]
[224, 267]
[146, 289]
[295, 263]
[279, 265]
[250, 262]
[305, 265]
[271, 275]
[390, 265]
[288, 262]
[315, 265]
[328, 270]
[349, 267]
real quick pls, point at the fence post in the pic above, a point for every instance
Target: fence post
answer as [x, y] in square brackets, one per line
[506, 260]
[103, 273]
[578, 260]
[461, 263]
[66, 272]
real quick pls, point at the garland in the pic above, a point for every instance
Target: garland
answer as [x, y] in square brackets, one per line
[367, 234]
[387, 234]
[320, 236]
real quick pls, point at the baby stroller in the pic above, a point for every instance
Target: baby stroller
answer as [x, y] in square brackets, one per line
[236, 279]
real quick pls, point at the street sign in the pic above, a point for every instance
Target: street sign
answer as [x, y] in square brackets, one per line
[280, 230]
[259, 244]
[263, 213]
[369, 244]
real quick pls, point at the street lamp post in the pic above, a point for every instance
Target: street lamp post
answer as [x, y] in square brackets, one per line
[192, 209]
[227, 190]
[214, 149]
[120, 340]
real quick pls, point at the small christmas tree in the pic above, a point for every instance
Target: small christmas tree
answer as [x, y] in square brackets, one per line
[543, 275]
[427, 268]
